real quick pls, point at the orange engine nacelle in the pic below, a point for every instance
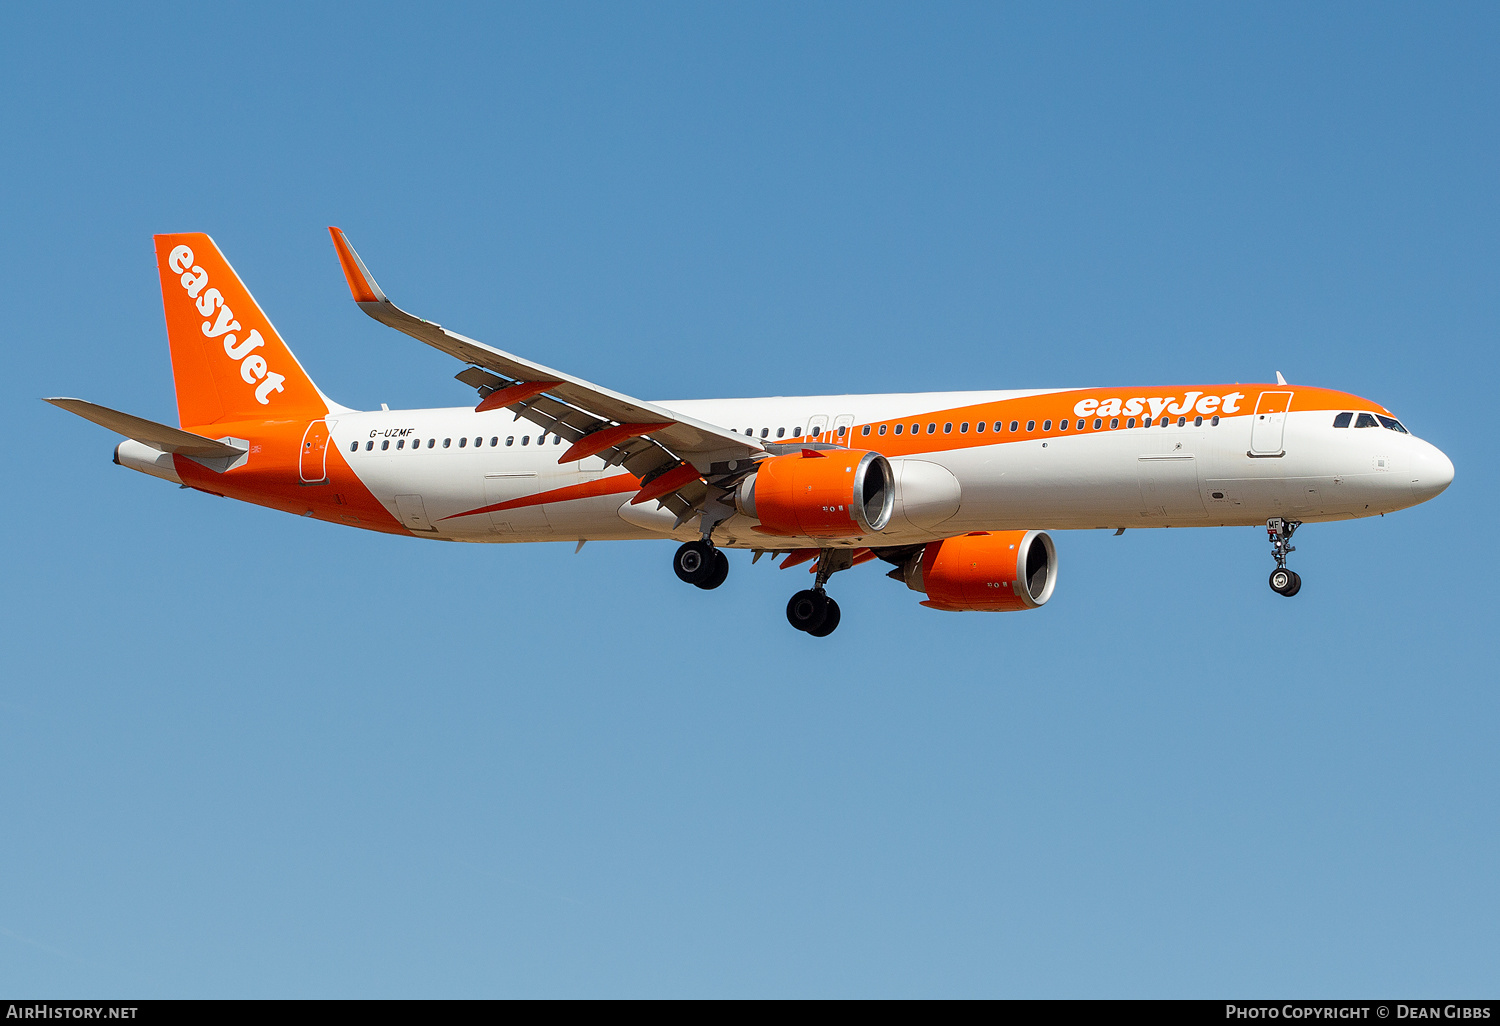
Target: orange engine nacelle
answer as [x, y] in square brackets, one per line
[987, 571]
[820, 493]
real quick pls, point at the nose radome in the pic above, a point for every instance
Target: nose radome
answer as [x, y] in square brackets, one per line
[1433, 473]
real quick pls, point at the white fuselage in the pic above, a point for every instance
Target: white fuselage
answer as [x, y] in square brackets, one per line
[1173, 476]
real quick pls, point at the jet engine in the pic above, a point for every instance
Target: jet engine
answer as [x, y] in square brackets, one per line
[820, 493]
[987, 571]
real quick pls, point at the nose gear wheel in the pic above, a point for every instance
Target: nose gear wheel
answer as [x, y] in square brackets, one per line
[1285, 582]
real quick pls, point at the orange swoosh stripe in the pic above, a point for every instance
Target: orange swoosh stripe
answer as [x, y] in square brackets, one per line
[588, 490]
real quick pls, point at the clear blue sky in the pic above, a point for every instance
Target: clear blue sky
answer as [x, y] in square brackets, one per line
[249, 754]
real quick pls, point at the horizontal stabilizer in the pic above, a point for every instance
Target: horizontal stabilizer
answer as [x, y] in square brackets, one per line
[148, 432]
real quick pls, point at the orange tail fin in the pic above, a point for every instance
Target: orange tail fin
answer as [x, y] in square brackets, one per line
[228, 362]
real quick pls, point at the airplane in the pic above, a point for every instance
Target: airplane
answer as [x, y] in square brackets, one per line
[955, 490]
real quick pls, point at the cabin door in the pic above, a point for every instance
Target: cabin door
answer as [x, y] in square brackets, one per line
[1269, 424]
[313, 459]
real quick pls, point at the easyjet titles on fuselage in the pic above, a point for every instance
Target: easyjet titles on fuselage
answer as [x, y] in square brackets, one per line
[1207, 405]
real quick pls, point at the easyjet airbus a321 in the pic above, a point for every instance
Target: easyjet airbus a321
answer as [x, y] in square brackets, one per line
[951, 488]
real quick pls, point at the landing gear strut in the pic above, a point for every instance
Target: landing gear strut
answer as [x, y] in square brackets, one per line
[1283, 581]
[811, 610]
[701, 565]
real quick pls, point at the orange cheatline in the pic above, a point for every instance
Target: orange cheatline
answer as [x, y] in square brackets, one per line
[668, 482]
[517, 393]
[598, 441]
[798, 556]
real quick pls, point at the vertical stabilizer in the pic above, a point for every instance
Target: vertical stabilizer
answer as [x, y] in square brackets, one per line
[228, 362]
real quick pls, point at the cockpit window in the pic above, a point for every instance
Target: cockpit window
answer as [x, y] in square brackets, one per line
[1343, 419]
[1366, 420]
[1393, 424]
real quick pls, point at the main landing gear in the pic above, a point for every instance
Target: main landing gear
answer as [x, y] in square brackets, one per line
[812, 611]
[701, 564]
[1283, 581]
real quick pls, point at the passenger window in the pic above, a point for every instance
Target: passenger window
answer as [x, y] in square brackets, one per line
[1130, 423]
[899, 428]
[796, 432]
[557, 439]
[353, 446]
[1098, 423]
[1146, 422]
[510, 439]
[525, 439]
[1365, 420]
[932, 429]
[463, 442]
[781, 432]
[1197, 422]
[842, 429]
[1392, 424]
[1081, 424]
[979, 428]
[401, 444]
[447, 442]
[948, 428]
[1062, 425]
[750, 432]
[1015, 425]
[1031, 425]
[1046, 425]
[865, 430]
[1114, 422]
[817, 432]
[765, 432]
[385, 444]
[963, 428]
[1343, 420]
[882, 429]
[916, 429]
[369, 445]
[431, 442]
[494, 441]
[1214, 422]
[1182, 422]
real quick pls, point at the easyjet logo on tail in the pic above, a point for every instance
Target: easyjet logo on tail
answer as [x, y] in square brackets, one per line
[220, 323]
[1207, 405]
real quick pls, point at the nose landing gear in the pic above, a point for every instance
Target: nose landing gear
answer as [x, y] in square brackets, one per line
[1283, 581]
[701, 564]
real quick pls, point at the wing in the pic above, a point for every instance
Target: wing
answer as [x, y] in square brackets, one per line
[683, 464]
[148, 432]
